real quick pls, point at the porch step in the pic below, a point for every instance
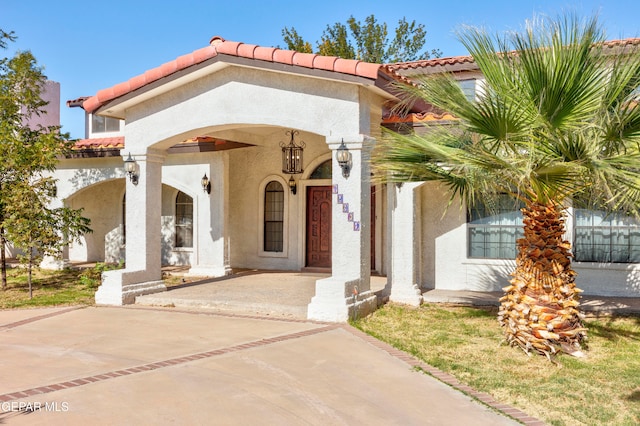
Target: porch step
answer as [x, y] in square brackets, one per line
[229, 306]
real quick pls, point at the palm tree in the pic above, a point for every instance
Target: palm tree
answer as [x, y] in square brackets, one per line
[557, 122]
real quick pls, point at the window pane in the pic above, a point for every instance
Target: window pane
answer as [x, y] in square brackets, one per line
[468, 88]
[273, 217]
[493, 232]
[606, 238]
[97, 124]
[112, 124]
[323, 171]
[184, 220]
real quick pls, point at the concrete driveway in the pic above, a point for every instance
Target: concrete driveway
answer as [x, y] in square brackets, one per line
[140, 365]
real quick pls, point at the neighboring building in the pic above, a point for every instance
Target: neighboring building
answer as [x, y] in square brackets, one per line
[228, 111]
[51, 116]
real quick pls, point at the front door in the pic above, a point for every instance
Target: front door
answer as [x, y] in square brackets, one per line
[319, 226]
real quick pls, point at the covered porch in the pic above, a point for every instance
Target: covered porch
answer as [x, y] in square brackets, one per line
[239, 101]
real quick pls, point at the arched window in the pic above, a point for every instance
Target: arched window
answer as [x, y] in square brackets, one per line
[184, 220]
[323, 171]
[273, 217]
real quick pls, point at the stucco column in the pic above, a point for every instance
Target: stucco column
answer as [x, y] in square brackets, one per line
[211, 257]
[347, 293]
[143, 272]
[403, 202]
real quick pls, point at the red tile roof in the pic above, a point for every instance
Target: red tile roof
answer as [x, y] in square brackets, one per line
[623, 42]
[436, 62]
[459, 60]
[100, 143]
[250, 51]
[418, 117]
[118, 142]
[77, 102]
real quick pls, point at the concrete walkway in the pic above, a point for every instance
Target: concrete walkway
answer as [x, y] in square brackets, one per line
[282, 294]
[286, 294]
[150, 366]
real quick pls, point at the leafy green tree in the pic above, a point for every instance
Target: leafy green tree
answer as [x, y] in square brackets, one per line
[28, 155]
[37, 228]
[557, 121]
[368, 41]
[295, 41]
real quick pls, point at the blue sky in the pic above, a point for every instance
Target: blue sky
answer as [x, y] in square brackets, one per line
[88, 46]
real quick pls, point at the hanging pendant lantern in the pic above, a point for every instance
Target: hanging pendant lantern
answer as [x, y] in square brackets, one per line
[292, 155]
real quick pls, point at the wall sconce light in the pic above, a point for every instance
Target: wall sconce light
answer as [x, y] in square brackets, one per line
[292, 185]
[344, 159]
[206, 184]
[130, 166]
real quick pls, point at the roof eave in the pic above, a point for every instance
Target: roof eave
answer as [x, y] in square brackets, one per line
[116, 107]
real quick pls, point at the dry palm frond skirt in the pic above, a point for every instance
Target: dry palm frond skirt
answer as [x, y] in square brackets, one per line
[539, 310]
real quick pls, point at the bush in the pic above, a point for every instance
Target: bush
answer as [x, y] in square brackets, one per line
[92, 277]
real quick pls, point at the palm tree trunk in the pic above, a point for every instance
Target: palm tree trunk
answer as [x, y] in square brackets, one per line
[539, 311]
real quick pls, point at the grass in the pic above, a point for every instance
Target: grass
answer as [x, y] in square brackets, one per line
[603, 388]
[51, 288]
[60, 288]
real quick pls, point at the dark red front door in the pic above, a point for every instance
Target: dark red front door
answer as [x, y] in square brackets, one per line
[319, 226]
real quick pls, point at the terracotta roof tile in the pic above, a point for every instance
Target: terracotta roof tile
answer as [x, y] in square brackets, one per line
[304, 59]
[325, 62]
[418, 117]
[264, 53]
[250, 51]
[437, 62]
[219, 45]
[366, 69]
[71, 103]
[96, 143]
[247, 50]
[457, 60]
[228, 47]
[105, 95]
[283, 56]
[623, 42]
[345, 66]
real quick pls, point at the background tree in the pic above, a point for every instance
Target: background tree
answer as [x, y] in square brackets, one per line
[28, 154]
[366, 41]
[558, 121]
[38, 229]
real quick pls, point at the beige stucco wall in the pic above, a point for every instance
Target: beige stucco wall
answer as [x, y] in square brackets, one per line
[446, 264]
[249, 171]
[102, 204]
[237, 97]
[100, 189]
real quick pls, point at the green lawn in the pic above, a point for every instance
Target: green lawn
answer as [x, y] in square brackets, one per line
[50, 288]
[603, 388]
